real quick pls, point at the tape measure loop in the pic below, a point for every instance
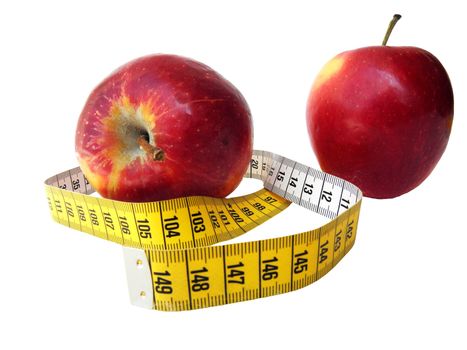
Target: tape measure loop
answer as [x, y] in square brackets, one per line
[178, 240]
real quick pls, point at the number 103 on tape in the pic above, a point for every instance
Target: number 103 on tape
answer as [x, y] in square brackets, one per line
[173, 250]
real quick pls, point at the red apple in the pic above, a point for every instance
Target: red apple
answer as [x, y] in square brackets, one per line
[380, 117]
[164, 126]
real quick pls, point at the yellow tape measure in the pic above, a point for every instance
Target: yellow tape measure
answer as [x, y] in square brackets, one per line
[170, 256]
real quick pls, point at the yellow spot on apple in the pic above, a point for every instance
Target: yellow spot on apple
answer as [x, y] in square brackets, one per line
[328, 71]
[449, 123]
[94, 179]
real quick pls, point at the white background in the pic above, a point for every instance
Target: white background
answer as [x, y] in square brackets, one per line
[401, 286]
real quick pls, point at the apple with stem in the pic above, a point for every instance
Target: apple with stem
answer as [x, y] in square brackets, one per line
[164, 126]
[380, 117]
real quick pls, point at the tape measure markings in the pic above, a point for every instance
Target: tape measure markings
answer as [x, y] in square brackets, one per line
[289, 176]
[162, 226]
[185, 270]
[215, 224]
[64, 186]
[66, 210]
[74, 202]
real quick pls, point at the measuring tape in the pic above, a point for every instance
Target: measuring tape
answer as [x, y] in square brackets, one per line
[171, 259]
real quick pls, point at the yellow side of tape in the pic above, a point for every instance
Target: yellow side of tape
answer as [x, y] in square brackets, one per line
[179, 236]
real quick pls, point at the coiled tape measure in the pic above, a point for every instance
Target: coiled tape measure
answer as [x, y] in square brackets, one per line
[171, 259]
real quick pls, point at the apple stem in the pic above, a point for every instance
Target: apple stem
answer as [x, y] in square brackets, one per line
[393, 22]
[154, 152]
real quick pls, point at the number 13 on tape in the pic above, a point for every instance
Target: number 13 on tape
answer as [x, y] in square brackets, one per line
[173, 250]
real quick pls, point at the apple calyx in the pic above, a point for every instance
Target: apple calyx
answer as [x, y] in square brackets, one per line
[393, 22]
[155, 153]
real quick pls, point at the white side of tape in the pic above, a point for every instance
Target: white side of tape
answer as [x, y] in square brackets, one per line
[139, 277]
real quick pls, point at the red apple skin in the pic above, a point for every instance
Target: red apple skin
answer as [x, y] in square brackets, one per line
[197, 118]
[380, 117]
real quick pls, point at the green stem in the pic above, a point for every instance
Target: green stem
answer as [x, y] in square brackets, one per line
[390, 28]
